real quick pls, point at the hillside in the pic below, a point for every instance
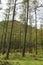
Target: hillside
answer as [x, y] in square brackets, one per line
[19, 32]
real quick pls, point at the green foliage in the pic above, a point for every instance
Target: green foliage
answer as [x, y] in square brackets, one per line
[29, 59]
[5, 63]
[16, 35]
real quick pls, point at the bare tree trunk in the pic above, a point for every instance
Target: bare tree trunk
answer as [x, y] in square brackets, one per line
[24, 46]
[20, 36]
[30, 33]
[5, 37]
[36, 30]
[11, 31]
[30, 40]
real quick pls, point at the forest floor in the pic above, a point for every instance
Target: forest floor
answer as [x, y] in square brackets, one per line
[17, 59]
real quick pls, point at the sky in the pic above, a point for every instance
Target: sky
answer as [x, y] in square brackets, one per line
[39, 12]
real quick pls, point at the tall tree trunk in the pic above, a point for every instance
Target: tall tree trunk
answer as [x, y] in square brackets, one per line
[20, 37]
[5, 37]
[36, 30]
[30, 37]
[24, 46]
[11, 31]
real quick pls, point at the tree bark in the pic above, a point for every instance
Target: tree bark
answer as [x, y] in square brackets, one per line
[11, 31]
[24, 46]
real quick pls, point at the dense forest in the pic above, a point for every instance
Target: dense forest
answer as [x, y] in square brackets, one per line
[21, 35]
[18, 37]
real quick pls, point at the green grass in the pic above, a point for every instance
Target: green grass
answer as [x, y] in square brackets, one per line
[25, 62]
[17, 59]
